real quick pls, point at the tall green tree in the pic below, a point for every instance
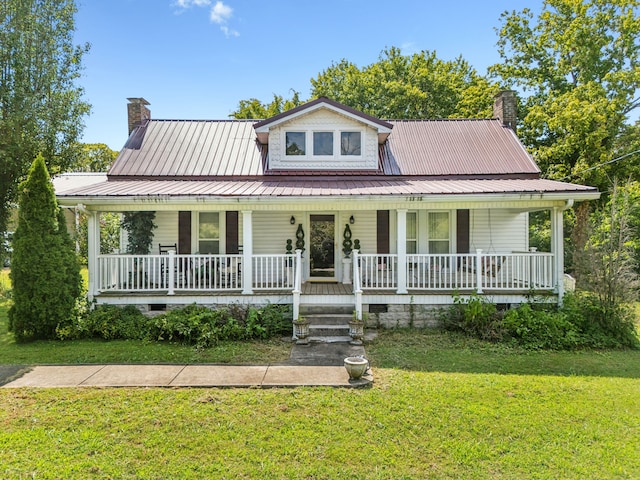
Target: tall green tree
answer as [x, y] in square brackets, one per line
[45, 271]
[41, 107]
[254, 108]
[577, 67]
[418, 86]
[397, 86]
[94, 157]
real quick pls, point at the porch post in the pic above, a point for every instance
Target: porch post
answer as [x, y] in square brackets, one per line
[93, 249]
[247, 252]
[557, 248]
[402, 250]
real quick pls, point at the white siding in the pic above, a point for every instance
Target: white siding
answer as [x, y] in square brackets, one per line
[323, 120]
[498, 231]
[364, 229]
[272, 229]
[167, 231]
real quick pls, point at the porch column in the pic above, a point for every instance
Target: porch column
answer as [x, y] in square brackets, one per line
[557, 248]
[93, 249]
[247, 252]
[402, 251]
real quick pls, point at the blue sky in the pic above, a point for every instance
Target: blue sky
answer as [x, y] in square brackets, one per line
[196, 59]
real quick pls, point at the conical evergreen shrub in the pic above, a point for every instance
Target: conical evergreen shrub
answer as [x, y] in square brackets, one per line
[45, 271]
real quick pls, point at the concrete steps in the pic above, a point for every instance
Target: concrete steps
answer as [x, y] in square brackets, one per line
[328, 323]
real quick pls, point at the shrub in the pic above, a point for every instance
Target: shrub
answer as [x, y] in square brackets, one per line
[204, 327]
[109, 322]
[539, 328]
[45, 271]
[599, 324]
[476, 317]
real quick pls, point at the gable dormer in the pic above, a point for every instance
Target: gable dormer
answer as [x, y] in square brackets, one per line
[323, 135]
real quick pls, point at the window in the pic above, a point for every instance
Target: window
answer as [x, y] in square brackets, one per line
[438, 223]
[323, 143]
[412, 233]
[350, 143]
[209, 232]
[296, 144]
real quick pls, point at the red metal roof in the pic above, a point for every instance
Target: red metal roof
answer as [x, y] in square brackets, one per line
[228, 148]
[280, 187]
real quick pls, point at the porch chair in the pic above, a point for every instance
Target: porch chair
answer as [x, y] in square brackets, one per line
[162, 249]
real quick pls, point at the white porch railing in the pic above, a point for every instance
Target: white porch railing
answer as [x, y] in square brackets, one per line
[173, 273]
[479, 271]
[176, 272]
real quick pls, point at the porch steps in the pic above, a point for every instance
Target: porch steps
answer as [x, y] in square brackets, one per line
[328, 323]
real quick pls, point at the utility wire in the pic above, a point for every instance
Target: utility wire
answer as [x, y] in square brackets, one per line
[600, 165]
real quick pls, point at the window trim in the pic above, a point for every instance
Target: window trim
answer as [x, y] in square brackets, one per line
[309, 145]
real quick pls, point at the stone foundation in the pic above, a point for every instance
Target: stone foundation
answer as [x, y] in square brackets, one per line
[402, 316]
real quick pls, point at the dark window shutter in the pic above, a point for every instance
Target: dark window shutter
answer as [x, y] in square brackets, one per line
[184, 232]
[232, 232]
[462, 231]
[383, 231]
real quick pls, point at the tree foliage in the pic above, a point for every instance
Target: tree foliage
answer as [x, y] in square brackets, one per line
[418, 86]
[576, 65]
[45, 272]
[139, 227]
[254, 108]
[41, 108]
[94, 157]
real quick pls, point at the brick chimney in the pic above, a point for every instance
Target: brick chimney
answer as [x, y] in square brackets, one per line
[505, 108]
[137, 112]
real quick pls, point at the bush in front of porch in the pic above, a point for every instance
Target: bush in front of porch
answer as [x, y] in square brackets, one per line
[194, 325]
[579, 323]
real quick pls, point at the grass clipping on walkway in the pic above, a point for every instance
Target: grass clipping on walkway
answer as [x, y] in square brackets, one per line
[440, 407]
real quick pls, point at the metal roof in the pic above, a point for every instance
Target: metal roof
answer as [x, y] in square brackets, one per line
[343, 187]
[455, 147]
[228, 148]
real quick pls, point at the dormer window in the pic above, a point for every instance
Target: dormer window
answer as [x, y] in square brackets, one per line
[350, 143]
[323, 144]
[296, 144]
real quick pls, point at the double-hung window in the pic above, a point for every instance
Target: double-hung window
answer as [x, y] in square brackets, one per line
[209, 232]
[438, 230]
[412, 232]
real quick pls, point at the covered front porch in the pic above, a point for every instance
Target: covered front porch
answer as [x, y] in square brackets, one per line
[372, 279]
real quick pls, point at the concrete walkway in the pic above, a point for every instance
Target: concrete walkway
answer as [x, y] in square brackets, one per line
[317, 364]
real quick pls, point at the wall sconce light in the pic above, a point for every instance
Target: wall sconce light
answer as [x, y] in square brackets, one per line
[352, 220]
[292, 220]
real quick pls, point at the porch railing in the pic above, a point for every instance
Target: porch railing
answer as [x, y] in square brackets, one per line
[173, 273]
[177, 272]
[477, 272]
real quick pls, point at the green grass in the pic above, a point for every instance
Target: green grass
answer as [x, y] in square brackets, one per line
[441, 406]
[410, 424]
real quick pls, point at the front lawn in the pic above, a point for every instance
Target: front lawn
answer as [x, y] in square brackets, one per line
[441, 406]
[410, 424]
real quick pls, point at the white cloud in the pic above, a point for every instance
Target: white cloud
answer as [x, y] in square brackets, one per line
[192, 3]
[228, 32]
[221, 13]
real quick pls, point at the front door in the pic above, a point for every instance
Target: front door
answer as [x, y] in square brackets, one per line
[322, 255]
